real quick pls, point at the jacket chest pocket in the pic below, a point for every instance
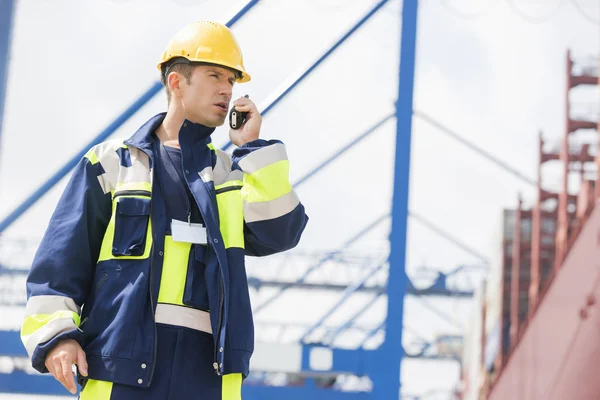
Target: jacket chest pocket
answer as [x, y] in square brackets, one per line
[231, 215]
[128, 234]
[132, 218]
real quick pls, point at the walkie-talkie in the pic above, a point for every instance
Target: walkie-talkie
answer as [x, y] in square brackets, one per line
[237, 118]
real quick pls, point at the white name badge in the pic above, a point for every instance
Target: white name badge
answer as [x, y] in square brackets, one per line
[189, 233]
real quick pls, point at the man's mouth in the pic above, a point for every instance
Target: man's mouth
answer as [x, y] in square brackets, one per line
[222, 105]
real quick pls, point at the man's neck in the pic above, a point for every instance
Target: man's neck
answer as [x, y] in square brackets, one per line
[168, 131]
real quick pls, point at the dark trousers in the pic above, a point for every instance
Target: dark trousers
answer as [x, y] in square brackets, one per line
[184, 370]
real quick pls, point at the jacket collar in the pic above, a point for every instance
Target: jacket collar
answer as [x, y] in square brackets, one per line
[190, 133]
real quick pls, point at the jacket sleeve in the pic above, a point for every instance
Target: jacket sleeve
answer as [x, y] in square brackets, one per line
[64, 264]
[274, 217]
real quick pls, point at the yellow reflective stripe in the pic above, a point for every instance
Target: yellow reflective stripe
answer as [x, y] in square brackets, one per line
[268, 183]
[92, 156]
[96, 390]
[40, 328]
[229, 184]
[231, 217]
[34, 322]
[211, 146]
[174, 271]
[231, 387]
[134, 186]
[107, 242]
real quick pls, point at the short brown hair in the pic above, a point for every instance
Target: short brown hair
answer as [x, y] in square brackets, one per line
[184, 69]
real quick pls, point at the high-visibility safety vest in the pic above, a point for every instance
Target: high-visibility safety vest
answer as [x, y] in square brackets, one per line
[97, 274]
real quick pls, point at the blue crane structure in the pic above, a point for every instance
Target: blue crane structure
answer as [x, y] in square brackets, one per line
[7, 11]
[382, 364]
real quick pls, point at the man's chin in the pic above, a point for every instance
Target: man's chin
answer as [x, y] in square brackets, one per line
[215, 122]
[218, 122]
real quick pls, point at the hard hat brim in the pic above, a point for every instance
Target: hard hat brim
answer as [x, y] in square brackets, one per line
[242, 76]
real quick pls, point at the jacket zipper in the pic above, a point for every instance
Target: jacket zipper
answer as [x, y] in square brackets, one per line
[218, 346]
[221, 294]
[151, 283]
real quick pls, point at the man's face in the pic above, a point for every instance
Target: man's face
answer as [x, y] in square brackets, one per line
[206, 98]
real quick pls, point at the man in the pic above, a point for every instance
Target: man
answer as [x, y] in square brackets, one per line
[139, 280]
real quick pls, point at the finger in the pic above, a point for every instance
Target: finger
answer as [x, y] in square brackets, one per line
[52, 369]
[68, 379]
[57, 372]
[242, 102]
[50, 366]
[82, 362]
[56, 368]
[246, 108]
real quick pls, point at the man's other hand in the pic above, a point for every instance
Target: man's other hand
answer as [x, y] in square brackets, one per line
[60, 362]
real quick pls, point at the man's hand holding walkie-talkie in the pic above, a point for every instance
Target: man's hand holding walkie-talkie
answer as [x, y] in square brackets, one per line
[244, 121]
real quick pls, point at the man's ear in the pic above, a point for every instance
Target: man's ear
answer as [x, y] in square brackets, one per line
[173, 81]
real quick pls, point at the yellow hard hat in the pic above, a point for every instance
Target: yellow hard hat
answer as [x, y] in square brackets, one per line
[206, 42]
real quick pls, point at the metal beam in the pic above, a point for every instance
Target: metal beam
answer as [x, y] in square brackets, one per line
[373, 332]
[410, 288]
[449, 237]
[5, 271]
[11, 345]
[476, 149]
[7, 11]
[65, 169]
[386, 378]
[24, 383]
[345, 360]
[280, 94]
[346, 295]
[431, 291]
[299, 393]
[321, 262]
[331, 336]
[106, 133]
[341, 151]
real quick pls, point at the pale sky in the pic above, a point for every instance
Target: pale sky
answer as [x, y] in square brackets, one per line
[496, 78]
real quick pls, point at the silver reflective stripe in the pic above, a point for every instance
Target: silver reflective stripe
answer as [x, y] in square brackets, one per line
[262, 157]
[254, 212]
[109, 159]
[222, 168]
[222, 172]
[47, 332]
[50, 305]
[172, 314]
[236, 175]
[138, 172]
[206, 174]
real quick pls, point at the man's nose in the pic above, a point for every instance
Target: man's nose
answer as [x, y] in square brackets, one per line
[226, 90]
